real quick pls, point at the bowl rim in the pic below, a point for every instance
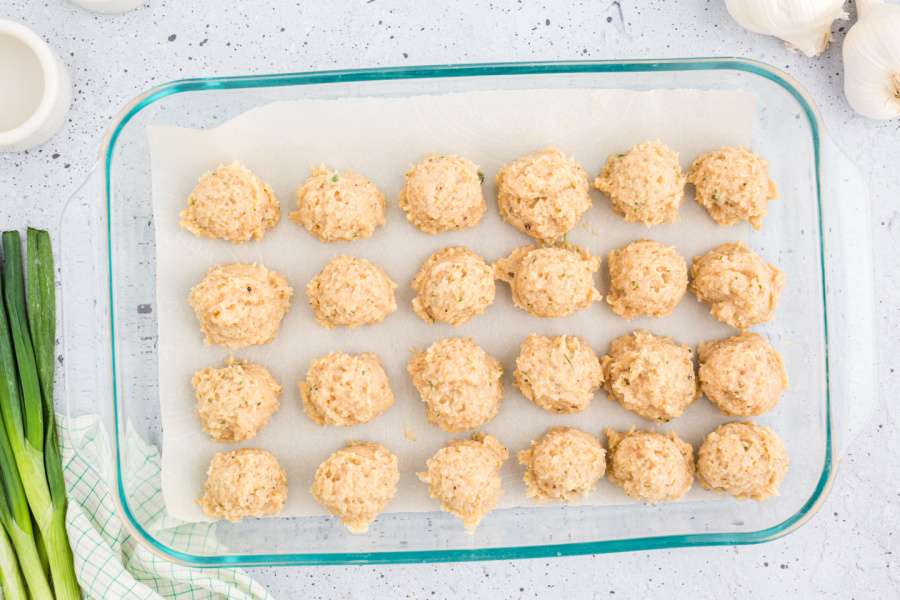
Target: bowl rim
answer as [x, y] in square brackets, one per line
[757, 68]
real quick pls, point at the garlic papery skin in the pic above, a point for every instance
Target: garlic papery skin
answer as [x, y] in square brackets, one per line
[872, 60]
[804, 25]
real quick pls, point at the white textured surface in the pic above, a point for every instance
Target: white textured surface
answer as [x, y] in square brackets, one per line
[850, 549]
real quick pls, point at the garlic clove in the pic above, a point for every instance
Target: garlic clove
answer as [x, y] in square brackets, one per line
[872, 61]
[804, 25]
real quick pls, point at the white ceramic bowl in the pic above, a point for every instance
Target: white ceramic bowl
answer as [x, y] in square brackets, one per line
[36, 88]
[108, 6]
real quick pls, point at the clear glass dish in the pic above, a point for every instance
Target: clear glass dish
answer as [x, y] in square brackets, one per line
[822, 242]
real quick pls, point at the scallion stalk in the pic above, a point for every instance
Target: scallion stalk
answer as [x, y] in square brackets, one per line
[15, 517]
[11, 583]
[24, 414]
[41, 300]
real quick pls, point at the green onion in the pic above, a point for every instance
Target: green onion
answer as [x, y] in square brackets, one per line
[29, 417]
[11, 583]
[41, 300]
[14, 515]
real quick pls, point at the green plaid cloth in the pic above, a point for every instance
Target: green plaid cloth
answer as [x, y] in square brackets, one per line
[109, 562]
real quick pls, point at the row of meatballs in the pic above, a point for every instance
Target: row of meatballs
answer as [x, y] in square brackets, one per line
[543, 194]
[462, 385]
[239, 304]
[356, 483]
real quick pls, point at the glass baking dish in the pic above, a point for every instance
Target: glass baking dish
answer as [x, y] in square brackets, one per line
[822, 241]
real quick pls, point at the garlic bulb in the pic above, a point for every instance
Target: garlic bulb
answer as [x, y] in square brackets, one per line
[872, 60]
[804, 25]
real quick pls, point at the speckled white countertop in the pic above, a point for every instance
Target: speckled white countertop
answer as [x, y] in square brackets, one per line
[851, 549]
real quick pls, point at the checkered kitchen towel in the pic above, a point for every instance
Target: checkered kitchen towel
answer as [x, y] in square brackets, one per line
[109, 562]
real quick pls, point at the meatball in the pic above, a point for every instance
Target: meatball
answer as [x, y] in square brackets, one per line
[741, 289]
[231, 204]
[742, 375]
[240, 305]
[553, 281]
[350, 292]
[646, 278]
[644, 185]
[443, 193]
[345, 389]
[338, 206]
[464, 476]
[650, 466]
[742, 459]
[560, 374]
[234, 402]
[242, 483]
[356, 483]
[733, 185]
[543, 194]
[453, 286]
[565, 464]
[460, 383]
[650, 375]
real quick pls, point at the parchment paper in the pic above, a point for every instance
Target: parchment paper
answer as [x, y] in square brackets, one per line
[381, 138]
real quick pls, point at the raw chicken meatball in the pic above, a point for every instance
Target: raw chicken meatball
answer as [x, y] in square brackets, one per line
[338, 206]
[644, 185]
[733, 185]
[650, 375]
[741, 289]
[345, 389]
[460, 383]
[240, 304]
[443, 193]
[543, 194]
[551, 281]
[464, 476]
[560, 374]
[356, 483]
[646, 278]
[650, 466]
[742, 459]
[453, 286]
[742, 375]
[231, 204]
[242, 483]
[235, 401]
[350, 292]
[565, 464]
